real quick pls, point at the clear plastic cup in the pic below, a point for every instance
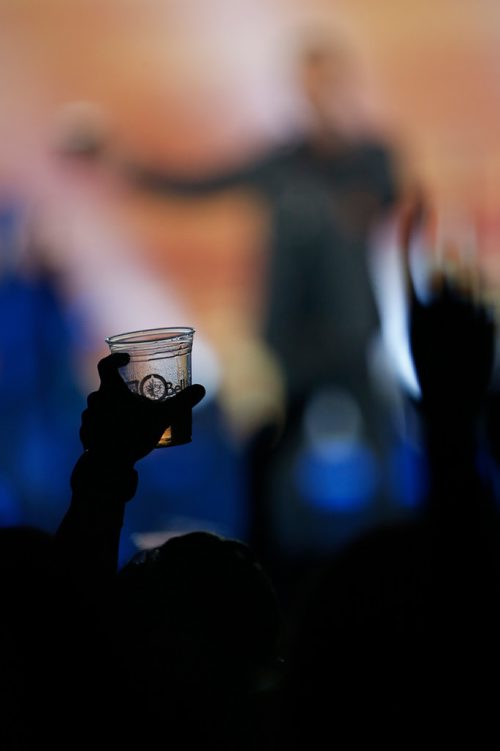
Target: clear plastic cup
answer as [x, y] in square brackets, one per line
[159, 367]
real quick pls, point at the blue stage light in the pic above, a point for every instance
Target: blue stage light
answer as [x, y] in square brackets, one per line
[409, 475]
[343, 477]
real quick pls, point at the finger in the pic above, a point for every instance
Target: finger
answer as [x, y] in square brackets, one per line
[185, 399]
[411, 220]
[108, 369]
[194, 394]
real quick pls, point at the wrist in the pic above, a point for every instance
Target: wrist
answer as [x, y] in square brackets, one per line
[109, 476]
[107, 461]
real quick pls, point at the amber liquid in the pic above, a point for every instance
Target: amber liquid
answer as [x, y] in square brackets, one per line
[177, 434]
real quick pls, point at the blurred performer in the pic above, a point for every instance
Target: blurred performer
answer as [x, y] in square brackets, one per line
[336, 183]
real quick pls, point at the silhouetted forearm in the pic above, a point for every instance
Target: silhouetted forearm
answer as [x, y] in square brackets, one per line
[89, 535]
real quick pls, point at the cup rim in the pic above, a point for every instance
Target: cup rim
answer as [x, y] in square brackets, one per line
[150, 336]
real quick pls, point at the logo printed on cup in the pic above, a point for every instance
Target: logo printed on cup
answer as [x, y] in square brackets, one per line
[154, 386]
[168, 351]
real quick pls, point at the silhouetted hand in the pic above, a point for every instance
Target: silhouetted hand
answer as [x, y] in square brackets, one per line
[123, 427]
[452, 342]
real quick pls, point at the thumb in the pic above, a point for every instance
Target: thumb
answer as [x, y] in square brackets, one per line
[194, 394]
[185, 399]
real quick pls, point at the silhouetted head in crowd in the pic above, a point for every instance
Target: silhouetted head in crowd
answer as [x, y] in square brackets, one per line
[396, 640]
[201, 628]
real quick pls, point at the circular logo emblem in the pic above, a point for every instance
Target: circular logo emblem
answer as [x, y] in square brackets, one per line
[153, 386]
